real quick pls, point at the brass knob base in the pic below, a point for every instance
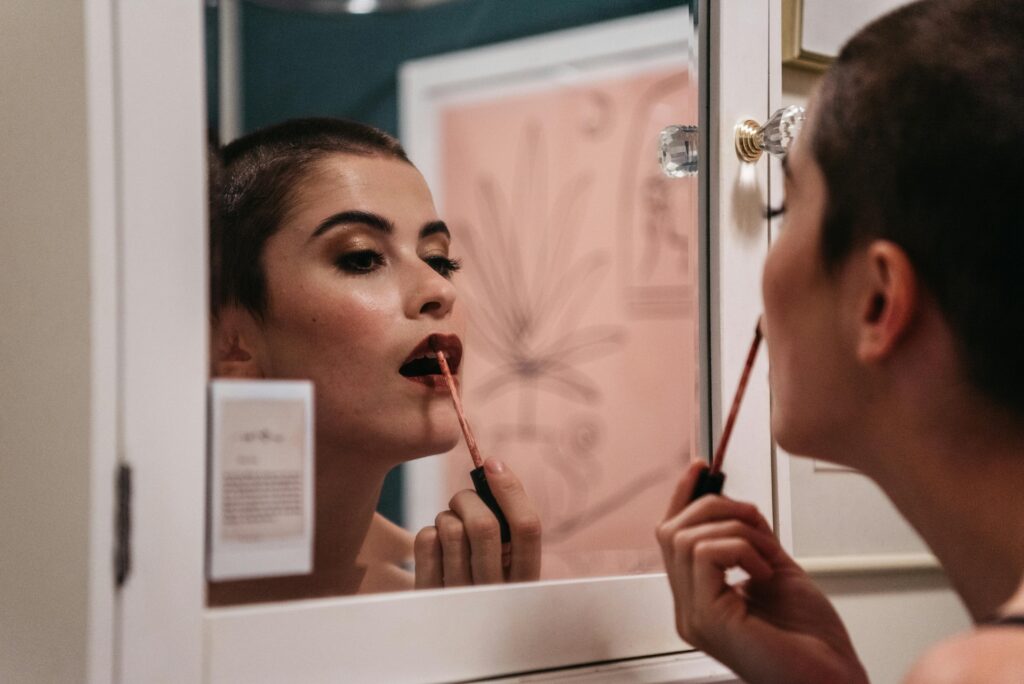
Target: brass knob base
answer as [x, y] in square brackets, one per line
[749, 140]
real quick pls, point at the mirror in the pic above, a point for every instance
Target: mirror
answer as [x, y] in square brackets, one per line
[578, 304]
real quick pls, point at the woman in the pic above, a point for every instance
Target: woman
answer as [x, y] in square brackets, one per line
[894, 325]
[334, 267]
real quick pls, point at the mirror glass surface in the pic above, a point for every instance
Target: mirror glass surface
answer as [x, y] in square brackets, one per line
[535, 124]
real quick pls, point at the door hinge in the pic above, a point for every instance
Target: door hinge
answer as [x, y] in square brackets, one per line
[123, 531]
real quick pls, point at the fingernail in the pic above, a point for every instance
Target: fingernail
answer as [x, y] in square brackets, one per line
[494, 466]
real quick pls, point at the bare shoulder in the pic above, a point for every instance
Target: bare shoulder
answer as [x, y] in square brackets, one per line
[993, 655]
[387, 542]
[386, 556]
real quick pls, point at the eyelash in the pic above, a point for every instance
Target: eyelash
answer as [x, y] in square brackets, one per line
[355, 263]
[773, 212]
[445, 266]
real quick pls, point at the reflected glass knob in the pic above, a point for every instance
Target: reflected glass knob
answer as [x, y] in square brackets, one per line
[776, 136]
[677, 151]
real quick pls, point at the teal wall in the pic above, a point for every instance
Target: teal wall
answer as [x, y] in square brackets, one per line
[297, 64]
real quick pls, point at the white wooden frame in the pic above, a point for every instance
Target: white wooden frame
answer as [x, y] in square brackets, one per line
[165, 634]
[105, 423]
[737, 195]
[136, 111]
[160, 126]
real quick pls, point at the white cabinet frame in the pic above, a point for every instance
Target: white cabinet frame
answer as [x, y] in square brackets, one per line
[163, 303]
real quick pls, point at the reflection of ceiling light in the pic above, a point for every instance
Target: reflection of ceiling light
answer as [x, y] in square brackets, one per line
[362, 6]
[342, 6]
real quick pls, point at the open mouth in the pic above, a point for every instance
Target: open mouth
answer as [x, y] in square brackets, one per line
[422, 362]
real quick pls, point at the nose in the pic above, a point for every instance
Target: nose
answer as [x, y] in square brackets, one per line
[431, 294]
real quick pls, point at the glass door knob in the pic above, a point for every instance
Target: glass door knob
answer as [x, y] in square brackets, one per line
[775, 136]
[677, 151]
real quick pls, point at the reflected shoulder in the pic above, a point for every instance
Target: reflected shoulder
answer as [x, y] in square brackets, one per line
[386, 542]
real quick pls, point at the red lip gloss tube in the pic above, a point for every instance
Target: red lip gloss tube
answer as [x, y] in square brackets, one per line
[712, 479]
[479, 477]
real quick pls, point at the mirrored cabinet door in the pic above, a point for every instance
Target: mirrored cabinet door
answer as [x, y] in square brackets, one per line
[611, 313]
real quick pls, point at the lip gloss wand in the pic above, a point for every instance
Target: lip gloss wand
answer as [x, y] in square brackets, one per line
[712, 479]
[479, 477]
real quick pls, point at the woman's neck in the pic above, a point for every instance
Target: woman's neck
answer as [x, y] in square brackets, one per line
[347, 489]
[960, 483]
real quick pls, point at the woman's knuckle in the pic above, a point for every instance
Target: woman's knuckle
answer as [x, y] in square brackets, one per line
[682, 540]
[749, 511]
[482, 527]
[702, 549]
[527, 526]
[452, 537]
[425, 539]
[453, 502]
[450, 528]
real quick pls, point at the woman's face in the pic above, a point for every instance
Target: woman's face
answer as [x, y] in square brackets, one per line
[810, 348]
[359, 278]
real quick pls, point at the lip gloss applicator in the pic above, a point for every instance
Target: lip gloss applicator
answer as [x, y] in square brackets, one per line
[712, 479]
[479, 477]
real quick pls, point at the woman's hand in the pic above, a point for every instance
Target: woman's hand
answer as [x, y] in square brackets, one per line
[464, 547]
[774, 627]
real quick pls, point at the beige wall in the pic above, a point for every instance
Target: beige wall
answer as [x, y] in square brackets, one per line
[44, 343]
[892, 618]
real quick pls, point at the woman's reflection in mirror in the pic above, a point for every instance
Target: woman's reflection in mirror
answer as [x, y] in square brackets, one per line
[330, 263]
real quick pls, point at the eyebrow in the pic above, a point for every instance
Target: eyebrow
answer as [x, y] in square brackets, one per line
[376, 222]
[366, 218]
[433, 228]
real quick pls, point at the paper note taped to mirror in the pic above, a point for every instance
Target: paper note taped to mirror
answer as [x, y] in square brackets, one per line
[261, 478]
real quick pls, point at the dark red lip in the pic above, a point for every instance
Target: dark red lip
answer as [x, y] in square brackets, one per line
[451, 345]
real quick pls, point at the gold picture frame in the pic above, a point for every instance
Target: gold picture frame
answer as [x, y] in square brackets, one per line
[793, 52]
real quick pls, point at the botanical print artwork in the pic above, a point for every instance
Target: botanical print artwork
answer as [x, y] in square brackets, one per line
[581, 290]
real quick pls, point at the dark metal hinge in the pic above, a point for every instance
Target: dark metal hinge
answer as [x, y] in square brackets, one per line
[123, 531]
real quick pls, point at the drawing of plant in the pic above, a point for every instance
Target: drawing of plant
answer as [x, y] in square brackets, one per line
[534, 281]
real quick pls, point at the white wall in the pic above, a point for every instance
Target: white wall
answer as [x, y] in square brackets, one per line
[45, 344]
[891, 617]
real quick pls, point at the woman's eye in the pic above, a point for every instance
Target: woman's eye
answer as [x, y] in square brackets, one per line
[363, 261]
[773, 212]
[446, 266]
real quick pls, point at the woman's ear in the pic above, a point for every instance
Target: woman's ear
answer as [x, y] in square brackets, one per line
[237, 345]
[889, 303]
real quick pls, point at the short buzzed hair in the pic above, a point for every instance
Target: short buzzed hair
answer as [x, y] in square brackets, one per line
[254, 185]
[920, 136]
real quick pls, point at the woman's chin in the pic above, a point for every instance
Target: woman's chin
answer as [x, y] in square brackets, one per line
[786, 437]
[443, 443]
[439, 440]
